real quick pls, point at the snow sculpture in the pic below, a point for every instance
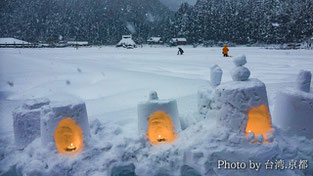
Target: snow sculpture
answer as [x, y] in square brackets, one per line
[65, 126]
[216, 75]
[243, 105]
[293, 109]
[158, 119]
[205, 93]
[240, 105]
[240, 61]
[26, 121]
[240, 73]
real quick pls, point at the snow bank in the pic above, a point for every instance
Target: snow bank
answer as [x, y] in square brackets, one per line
[26, 121]
[197, 151]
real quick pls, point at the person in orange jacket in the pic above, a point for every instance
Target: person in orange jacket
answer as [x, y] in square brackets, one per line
[225, 51]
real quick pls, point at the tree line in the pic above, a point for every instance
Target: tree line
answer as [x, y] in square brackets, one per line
[245, 21]
[208, 21]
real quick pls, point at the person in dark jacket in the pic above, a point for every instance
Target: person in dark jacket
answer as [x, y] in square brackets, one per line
[180, 51]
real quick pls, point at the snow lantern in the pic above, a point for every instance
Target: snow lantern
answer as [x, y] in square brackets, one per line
[64, 126]
[26, 121]
[242, 104]
[158, 119]
[293, 109]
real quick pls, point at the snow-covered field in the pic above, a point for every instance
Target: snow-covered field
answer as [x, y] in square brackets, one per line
[113, 80]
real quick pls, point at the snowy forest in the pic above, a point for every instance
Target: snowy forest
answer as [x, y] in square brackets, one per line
[208, 21]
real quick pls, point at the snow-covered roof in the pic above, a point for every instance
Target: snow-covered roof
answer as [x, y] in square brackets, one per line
[12, 41]
[78, 42]
[154, 39]
[179, 39]
[126, 41]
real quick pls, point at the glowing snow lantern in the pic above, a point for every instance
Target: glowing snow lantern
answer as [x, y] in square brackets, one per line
[158, 119]
[241, 105]
[259, 121]
[65, 126]
[68, 136]
[160, 128]
[293, 110]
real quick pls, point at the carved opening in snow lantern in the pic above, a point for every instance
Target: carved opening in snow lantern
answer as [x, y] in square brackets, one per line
[160, 128]
[68, 136]
[259, 121]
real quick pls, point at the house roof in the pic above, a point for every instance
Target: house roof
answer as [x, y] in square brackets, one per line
[8, 41]
[126, 41]
[154, 39]
[179, 39]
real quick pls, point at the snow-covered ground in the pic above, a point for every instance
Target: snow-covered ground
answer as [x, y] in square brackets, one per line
[113, 80]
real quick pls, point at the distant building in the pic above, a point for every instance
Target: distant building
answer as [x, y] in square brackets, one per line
[42, 44]
[178, 41]
[60, 44]
[77, 43]
[14, 43]
[154, 41]
[126, 42]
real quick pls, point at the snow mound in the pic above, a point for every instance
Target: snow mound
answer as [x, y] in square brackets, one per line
[196, 151]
